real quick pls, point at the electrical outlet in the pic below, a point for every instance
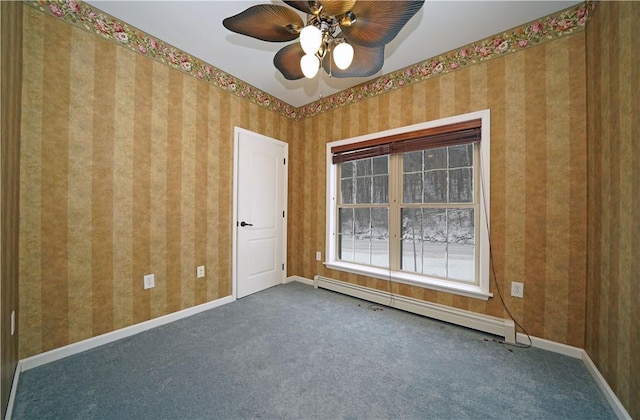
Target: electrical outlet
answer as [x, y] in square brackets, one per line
[318, 256]
[517, 289]
[200, 271]
[149, 281]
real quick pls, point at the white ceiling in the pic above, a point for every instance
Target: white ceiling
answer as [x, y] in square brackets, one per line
[196, 28]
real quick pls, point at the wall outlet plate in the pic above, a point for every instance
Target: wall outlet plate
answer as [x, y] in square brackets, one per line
[200, 271]
[517, 289]
[149, 281]
[318, 256]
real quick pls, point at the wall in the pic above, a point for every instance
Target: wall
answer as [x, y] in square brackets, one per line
[126, 162]
[126, 170]
[537, 99]
[613, 282]
[10, 77]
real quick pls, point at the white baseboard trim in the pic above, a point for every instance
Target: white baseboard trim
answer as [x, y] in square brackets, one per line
[611, 397]
[90, 343]
[490, 324]
[581, 354]
[541, 343]
[299, 279]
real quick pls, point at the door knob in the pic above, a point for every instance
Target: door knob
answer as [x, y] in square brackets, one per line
[243, 224]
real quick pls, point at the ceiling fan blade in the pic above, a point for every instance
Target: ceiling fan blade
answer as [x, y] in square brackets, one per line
[378, 22]
[336, 7]
[287, 60]
[303, 6]
[267, 22]
[329, 7]
[366, 62]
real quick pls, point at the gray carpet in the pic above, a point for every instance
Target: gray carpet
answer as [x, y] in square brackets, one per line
[296, 352]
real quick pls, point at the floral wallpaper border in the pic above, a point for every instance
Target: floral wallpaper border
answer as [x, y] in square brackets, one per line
[546, 29]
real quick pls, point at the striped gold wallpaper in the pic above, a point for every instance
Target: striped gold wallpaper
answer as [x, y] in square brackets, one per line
[537, 99]
[613, 279]
[10, 108]
[118, 149]
[126, 170]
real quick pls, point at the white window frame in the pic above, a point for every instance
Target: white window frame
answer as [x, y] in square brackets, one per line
[479, 290]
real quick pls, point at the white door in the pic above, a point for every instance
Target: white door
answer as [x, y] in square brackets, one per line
[260, 210]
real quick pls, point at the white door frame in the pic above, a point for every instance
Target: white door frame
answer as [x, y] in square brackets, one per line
[236, 141]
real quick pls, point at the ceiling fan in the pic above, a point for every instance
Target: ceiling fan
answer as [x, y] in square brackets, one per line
[346, 38]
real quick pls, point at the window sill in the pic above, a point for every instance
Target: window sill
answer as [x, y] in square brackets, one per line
[471, 291]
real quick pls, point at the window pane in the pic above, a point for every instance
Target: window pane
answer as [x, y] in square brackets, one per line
[461, 185]
[435, 246]
[435, 187]
[380, 189]
[345, 221]
[412, 162]
[460, 264]
[461, 226]
[426, 252]
[461, 238]
[346, 170]
[362, 251]
[362, 236]
[411, 240]
[363, 190]
[435, 159]
[434, 225]
[346, 191]
[363, 167]
[412, 189]
[363, 223]
[460, 156]
[434, 259]
[412, 255]
[381, 165]
[380, 237]
[345, 247]
[380, 223]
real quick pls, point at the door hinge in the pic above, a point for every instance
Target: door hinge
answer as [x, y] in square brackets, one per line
[282, 266]
[284, 161]
[282, 213]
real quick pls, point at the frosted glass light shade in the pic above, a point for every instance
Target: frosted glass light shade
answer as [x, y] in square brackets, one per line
[343, 55]
[309, 64]
[310, 39]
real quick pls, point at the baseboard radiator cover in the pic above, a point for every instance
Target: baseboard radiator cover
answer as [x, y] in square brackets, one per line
[490, 324]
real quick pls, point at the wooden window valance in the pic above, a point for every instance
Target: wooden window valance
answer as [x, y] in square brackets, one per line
[428, 138]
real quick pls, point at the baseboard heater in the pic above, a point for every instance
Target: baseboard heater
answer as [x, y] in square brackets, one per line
[490, 324]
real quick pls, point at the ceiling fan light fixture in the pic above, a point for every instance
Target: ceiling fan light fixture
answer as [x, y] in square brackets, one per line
[353, 32]
[309, 64]
[348, 19]
[310, 39]
[343, 55]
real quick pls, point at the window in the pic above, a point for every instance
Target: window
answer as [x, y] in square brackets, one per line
[410, 205]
